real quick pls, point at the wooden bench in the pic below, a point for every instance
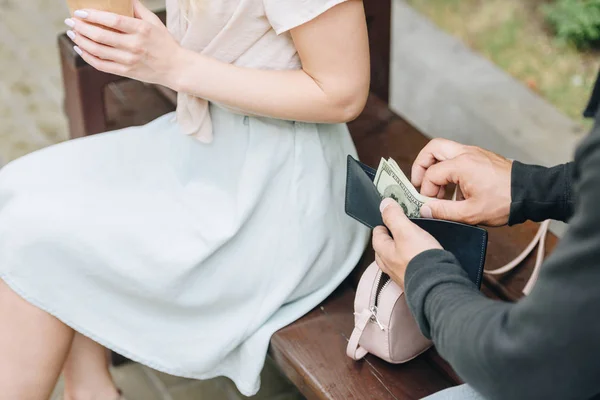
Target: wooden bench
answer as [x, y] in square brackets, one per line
[311, 351]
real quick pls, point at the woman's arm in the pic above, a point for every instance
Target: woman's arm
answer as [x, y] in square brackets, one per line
[332, 86]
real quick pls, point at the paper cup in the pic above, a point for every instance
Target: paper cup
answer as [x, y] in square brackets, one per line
[121, 7]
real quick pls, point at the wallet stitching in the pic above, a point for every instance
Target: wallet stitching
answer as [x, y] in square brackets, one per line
[481, 260]
[360, 220]
[347, 183]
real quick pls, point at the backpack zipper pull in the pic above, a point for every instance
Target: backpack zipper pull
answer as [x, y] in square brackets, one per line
[375, 319]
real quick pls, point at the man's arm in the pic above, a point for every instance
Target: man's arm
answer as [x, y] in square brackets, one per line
[540, 193]
[545, 346]
[493, 187]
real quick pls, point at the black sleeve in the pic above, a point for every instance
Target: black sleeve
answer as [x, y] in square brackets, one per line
[540, 193]
[547, 345]
[594, 105]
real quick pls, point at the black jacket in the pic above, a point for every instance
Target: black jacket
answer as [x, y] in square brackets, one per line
[546, 346]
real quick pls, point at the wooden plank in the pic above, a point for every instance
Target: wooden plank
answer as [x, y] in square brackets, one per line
[132, 103]
[83, 86]
[379, 14]
[373, 120]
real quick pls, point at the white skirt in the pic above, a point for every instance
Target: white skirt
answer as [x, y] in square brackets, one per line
[182, 256]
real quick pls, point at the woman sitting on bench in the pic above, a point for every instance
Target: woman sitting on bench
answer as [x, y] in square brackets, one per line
[186, 243]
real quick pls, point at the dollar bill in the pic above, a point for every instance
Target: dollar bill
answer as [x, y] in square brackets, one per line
[396, 168]
[392, 183]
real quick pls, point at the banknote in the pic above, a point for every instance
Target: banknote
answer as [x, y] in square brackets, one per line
[392, 183]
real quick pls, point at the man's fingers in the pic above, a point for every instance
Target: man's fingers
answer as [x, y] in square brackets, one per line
[380, 263]
[394, 217]
[436, 150]
[458, 211]
[383, 244]
[442, 192]
[438, 175]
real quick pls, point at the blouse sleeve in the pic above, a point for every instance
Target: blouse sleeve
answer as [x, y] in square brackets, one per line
[284, 15]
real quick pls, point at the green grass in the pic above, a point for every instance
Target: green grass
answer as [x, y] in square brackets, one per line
[513, 35]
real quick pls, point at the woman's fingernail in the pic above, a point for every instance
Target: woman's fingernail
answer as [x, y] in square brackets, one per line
[81, 14]
[69, 22]
[426, 212]
[71, 34]
[77, 50]
[385, 204]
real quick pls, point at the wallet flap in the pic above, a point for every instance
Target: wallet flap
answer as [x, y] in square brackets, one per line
[362, 197]
[467, 243]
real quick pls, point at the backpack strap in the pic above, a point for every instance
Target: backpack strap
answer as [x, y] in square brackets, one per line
[354, 350]
[539, 259]
[540, 241]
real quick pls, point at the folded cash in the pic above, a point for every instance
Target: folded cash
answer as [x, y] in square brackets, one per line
[392, 183]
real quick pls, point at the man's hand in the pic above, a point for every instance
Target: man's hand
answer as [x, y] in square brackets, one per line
[484, 178]
[394, 254]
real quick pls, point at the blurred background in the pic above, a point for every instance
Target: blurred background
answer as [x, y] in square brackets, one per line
[31, 91]
[549, 45]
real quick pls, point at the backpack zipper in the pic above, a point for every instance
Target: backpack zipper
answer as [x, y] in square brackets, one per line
[376, 298]
[385, 285]
[374, 293]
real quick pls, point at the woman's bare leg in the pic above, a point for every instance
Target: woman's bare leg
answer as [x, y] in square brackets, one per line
[86, 372]
[33, 348]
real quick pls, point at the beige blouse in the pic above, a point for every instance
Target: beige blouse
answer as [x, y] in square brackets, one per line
[247, 33]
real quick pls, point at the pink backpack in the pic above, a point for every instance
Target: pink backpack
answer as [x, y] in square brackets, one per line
[383, 324]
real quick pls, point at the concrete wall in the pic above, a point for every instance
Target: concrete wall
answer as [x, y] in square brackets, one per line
[447, 90]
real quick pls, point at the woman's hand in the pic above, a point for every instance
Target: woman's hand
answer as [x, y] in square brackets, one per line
[394, 254]
[483, 177]
[140, 48]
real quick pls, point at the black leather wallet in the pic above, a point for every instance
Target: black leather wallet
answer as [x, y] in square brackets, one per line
[467, 243]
